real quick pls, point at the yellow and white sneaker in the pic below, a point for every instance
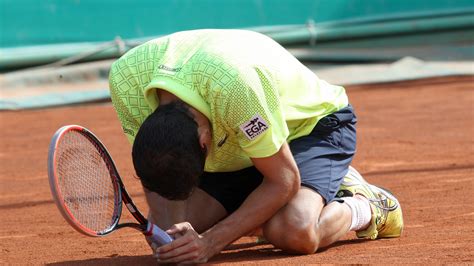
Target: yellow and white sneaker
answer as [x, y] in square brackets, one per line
[387, 218]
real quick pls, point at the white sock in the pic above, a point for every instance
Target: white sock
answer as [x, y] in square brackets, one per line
[361, 213]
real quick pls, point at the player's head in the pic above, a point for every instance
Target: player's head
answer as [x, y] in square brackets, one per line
[166, 152]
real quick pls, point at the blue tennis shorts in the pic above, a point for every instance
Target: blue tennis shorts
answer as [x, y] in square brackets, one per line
[323, 158]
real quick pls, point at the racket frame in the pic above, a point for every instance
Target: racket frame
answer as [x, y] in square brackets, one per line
[121, 196]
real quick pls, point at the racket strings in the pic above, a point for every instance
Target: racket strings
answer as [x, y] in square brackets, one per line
[85, 183]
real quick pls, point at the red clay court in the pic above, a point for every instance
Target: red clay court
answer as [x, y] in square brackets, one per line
[415, 138]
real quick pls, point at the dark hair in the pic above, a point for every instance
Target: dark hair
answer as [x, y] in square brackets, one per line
[166, 152]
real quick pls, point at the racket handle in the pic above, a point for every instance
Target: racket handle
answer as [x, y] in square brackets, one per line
[157, 235]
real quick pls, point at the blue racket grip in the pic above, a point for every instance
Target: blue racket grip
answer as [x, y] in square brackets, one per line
[157, 235]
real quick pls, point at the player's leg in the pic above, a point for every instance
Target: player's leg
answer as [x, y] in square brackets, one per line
[323, 158]
[305, 223]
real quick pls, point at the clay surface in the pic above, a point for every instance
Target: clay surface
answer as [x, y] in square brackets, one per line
[415, 138]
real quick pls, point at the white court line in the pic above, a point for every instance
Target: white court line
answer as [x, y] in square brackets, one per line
[17, 236]
[34, 195]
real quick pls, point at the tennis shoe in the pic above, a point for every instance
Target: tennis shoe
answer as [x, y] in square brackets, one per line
[387, 217]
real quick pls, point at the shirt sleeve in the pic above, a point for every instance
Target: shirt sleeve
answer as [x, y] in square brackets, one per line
[255, 115]
[128, 101]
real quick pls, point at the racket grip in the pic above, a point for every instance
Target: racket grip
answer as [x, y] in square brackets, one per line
[157, 235]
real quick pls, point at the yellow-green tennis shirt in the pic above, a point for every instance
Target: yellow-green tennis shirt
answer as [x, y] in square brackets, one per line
[254, 92]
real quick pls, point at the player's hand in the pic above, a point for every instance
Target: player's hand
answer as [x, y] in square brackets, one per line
[188, 246]
[153, 245]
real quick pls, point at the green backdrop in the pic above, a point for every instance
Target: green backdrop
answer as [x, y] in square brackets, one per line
[33, 22]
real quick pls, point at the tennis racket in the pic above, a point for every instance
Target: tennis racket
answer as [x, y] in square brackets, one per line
[87, 188]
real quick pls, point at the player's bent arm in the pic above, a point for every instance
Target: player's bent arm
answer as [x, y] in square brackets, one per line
[281, 182]
[163, 212]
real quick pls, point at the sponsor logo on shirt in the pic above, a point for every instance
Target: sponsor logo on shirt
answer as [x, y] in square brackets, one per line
[254, 127]
[170, 69]
[222, 141]
[128, 131]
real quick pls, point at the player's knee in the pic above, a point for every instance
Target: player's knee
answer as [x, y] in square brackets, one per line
[292, 235]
